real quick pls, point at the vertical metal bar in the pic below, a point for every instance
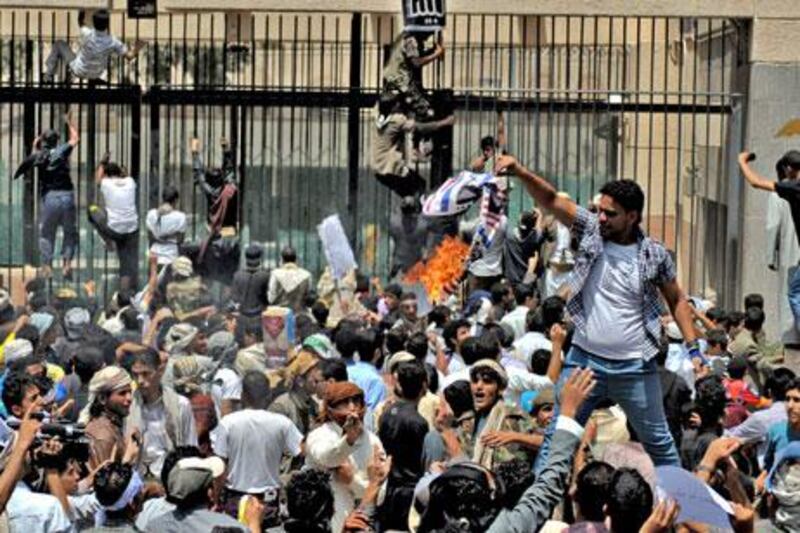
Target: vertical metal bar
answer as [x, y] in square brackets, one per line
[353, 124]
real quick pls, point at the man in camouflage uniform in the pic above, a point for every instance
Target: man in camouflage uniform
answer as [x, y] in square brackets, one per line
[186, 290]
[500, 433]
[402, 74]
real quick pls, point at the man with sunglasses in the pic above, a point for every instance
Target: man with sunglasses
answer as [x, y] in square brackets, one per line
[615, 289]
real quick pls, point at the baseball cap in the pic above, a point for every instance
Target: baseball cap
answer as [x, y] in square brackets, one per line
[192, 474]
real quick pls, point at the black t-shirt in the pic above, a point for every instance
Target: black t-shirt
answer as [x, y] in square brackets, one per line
[789, 190]
[54, 170]
[518, 250]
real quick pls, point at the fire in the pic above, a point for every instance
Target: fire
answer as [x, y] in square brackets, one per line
[442, 269]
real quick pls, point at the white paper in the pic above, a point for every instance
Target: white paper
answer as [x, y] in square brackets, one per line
[336, 246]
[698, 501]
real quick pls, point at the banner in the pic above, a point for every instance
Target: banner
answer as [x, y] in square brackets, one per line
[336, 247]
[142, 9]
[423, 15]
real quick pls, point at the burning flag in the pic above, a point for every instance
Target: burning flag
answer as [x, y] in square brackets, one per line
[442, 270]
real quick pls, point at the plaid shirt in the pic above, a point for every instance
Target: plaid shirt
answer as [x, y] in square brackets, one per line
[655, 269]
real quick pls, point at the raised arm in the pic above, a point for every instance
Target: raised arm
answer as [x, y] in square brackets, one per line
[100, 173]
[134, 50]
[539, 188]
[752, 177]
[438, 51]
[198, 169]
[501, 132]
[74, 136]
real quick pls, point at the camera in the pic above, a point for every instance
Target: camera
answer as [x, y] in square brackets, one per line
[74, 443]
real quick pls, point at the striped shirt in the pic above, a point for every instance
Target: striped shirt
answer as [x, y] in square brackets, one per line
[655, 269]
[95, 49]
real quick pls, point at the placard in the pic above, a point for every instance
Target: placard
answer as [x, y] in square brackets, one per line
[336, 247]
[423, 15]
[142, 9]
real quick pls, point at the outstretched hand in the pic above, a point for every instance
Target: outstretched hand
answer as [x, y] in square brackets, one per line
[575, 391]
[505, 164]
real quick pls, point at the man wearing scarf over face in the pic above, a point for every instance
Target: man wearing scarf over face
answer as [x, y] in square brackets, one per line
[342, 445]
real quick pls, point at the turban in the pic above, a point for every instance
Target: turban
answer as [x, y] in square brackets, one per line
[75, 320]
[188, 375]
[182, 266]
[342, 390]
[302, 363]
[494, 366]
[221, 344]
[106, 380]
[179, 337]
[42, 321]
[16, 350]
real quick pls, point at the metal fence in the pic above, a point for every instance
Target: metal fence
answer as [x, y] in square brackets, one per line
[586, 99]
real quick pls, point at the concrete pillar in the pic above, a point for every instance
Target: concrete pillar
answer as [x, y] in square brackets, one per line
[773, 98]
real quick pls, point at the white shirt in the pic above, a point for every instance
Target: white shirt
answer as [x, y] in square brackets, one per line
[119, 195]
[253, 441]
[462, 374]
[227, 385]
[327, 448]
[165, 229]
[613, 298]
[30, 511]
[520, 381]
[156, 441]
[491, 262]
[529, 343]
[516, 319]
[95, 49]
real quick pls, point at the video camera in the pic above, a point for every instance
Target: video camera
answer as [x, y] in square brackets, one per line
[75, 444]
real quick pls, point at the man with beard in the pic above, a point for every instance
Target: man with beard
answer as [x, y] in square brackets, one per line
[110, 397]
[343, 446]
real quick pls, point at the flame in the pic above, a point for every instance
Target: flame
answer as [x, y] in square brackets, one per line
[442, 269]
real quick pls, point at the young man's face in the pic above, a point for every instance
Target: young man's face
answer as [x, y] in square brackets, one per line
[488, 152]
[32, 394]
[147, 378]
[391, 301]
[462, 334]
[485, 392]
[409, 309]
[544, 415]
[71, 476]
[314, 381]
[119, 401]
[348, 407]
[615, 222]
[793, 408]
[200, 344]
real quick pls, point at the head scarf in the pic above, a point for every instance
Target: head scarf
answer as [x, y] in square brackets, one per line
[109, 379]
[135, 486]
[42, 321]
[302, 363]
[182, 266]
[247, 360]
[320, 344]
[179, 337]
[220, 344]
[337, 392]
[188, 376]
[75, 320]
[16, 350]
[493, 365]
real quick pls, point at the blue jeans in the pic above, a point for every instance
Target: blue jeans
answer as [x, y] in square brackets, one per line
[635, 386]
[58, 209]
[794, 294]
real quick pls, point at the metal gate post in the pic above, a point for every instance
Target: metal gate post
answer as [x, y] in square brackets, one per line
[30, 250]
[353, 129]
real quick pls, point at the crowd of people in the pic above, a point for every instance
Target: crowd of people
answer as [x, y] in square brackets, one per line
[563, 384]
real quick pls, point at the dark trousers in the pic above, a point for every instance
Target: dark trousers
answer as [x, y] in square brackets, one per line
[126, 244]
[58, 209]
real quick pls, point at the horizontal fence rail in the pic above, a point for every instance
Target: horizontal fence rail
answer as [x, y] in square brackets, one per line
[585, 100]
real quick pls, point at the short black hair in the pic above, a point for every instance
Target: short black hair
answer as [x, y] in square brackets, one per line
[516, 476]
[112, 170]
[534, 321]
[395, 289]
[717, 314]
[778, 383]
[630, 500]
[754, 319]
[488, 142]
[309, 496]
[417, 345]
[320, 313]
[100, 19]
[540, 360]
[111, 481]
[717, 337]
[288, 254]
[30, 333]
[411, 377]
[627, 194]
[450, 331]
[347, 341]
[15, 387]
[523, 291]
[370, 340]
[476, 348]
[396, 340]
[794, 385]
[710, 401]
[754, 300]
[439, 315]
[433, 378]
[170, 194]
[130, 319]
[255, 389]
[498, 291]
[553, 309]
[458, 396]
[593, 485]
[86, 361]
[148, 357]
[334, 369]
[734, 319]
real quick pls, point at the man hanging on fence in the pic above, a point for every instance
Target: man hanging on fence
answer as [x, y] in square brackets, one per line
[218, 257]
[402, 73]
[117, 222]
[56, 192]
[95, 49]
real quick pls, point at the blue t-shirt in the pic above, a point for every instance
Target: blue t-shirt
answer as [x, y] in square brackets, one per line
[778, 437]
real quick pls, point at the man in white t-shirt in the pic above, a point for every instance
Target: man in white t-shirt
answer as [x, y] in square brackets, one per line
[97, 46]
[615, 303]
[253, 442]
[118, 223]
[166, 227]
